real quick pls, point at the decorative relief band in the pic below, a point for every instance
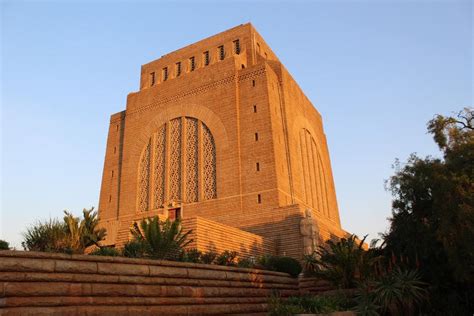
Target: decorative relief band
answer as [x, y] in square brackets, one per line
[198, 90]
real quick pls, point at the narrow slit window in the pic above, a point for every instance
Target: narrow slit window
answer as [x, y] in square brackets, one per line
[256, 136]
[253, 83]
[206, 58]
[110, 198]
[115, 150]
[258, 48]
[116, 127]
[152, 79]
[112, 173]
[254, 109]
[266, 56]
[237, 47]
[221, 52]
[178, 69]
[165, 73]
[258, 166]
[192, 64]
[259, 198]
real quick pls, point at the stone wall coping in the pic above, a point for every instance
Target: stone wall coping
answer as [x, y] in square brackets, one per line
[152, 262]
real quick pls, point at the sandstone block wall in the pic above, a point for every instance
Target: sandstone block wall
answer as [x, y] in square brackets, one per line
[33, 283]
[208, 235]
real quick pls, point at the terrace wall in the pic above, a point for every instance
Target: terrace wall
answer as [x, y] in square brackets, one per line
[34, 283]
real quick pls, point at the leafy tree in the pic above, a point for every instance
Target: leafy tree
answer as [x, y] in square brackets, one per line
[4, 245]
[161, 240]
[432, 223]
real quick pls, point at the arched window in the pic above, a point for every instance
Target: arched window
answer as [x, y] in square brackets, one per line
[314, 175]
[177, 164]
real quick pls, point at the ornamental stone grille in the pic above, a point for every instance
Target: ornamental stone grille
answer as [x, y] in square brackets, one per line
[182, 150]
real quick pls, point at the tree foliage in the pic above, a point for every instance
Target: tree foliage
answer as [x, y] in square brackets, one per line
[432, 222]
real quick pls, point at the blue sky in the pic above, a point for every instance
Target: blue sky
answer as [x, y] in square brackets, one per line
[376, 70]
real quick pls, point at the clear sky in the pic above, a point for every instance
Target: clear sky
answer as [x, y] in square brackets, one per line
[377, 71]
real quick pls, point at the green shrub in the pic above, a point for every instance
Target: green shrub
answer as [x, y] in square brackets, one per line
[72, 235]
[106, 251]
[4, 245]
[49, 236]
[246, 263]
[226, 258]
[208, 257]
[191, 255]
[309, 304]
[280, 264]
[134, 249]
[287, 265]
[278, 307]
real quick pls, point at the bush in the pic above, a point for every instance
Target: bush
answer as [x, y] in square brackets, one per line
[49, 236]
[227, 258]
[105, 251]
[246, 263]
[309, 304]
[280, 264]
[191, 255]
[72, 235]
[287, 265]
[4, 245]
[208, 257]
[134, 249]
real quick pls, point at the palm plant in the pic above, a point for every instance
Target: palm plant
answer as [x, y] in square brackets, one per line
[161, 239]
[83, 233]
[342, 263]
[397, 292]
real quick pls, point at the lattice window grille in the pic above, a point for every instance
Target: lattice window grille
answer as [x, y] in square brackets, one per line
[192, 170]
[143, 196]
[159, 167]
[209, 164]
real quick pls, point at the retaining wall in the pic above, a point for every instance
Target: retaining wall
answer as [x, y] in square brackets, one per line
[35, 283]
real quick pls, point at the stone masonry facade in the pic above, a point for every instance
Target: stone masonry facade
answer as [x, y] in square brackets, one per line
[219, 130]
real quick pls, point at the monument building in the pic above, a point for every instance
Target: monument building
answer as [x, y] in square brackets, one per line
[221, 136]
